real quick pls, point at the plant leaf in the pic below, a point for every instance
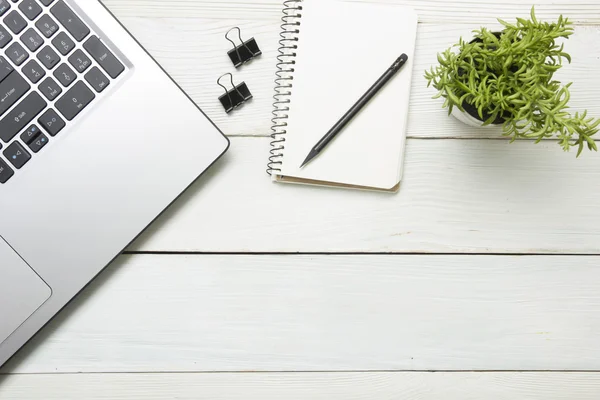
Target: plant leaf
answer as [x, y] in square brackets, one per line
[580, 149]
[512, 76]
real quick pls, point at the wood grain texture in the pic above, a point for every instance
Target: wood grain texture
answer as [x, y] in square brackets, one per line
[581, 11]
[458, 196]
[205, 313]
[313, 386]
[320, 313]
[194, 52]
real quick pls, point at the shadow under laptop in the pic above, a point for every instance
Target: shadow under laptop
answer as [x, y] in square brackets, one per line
[27, 352]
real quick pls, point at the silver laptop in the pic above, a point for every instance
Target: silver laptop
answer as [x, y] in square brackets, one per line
[96, 141]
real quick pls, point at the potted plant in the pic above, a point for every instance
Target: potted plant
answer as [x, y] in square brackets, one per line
[506, 78]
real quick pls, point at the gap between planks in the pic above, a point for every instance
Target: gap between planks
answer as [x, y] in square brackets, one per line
[342, 253]
[292, 372]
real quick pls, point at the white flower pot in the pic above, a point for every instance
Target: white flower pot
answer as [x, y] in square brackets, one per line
[469, 120]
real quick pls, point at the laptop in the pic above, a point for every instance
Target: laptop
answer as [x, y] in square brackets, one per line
[96, 140]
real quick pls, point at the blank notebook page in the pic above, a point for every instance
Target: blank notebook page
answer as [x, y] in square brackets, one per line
[343, 48]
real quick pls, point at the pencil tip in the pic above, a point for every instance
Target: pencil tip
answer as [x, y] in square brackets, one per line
[310, 157]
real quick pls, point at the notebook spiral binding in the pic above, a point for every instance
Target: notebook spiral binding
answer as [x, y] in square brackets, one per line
[283, 85]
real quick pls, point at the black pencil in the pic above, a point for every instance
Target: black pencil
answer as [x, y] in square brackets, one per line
[360, 104]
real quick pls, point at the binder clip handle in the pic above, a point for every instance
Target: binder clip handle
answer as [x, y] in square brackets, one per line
[243, 53]
[235, 97]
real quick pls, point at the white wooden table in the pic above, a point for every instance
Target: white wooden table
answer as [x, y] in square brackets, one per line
[485, 267]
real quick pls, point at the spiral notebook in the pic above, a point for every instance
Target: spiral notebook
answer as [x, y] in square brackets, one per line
[331, 52]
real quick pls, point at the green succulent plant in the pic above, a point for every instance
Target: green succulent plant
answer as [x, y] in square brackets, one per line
[507, 77]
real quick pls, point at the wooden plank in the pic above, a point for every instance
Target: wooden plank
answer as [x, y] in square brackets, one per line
[458, 196]
[582, 11]
[321, 313]
[315, 386]
[194, 52]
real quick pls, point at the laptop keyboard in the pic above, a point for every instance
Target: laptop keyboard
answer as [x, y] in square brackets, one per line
[52, 67]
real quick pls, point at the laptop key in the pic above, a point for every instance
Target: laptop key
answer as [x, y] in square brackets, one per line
[47, 2]
[75, 100]
[6, 172]
[51, 122]
[5, 68]
[11, 90]
[5, 37]
[21, 115]
[17, 155]
[63, 43]
[70, 21]
[48, 57]
[33, 71]
[15, 22]
[80, 61]
[97, 79]
[4, 7]
[30, 8]
[32, 39]
[47, 26]
[17, 53]
[104, 57]
[65, 75]
[31, 133]
[50, 89]
[38, 143]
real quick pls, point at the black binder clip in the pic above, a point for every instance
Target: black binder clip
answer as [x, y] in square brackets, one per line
[235, 97]
[243, 53]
